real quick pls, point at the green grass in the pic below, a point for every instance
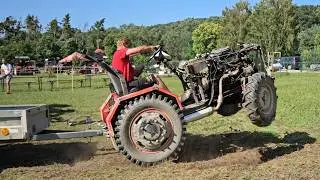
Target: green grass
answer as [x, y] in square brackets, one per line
[210, 153]
[298, 105]
[297, 110]
[298, 102]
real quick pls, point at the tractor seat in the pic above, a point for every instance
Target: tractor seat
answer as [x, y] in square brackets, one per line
[118, 82]
[120, 85]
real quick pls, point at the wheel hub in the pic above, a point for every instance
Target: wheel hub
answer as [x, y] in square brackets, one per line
[150, 130]
[265, 98]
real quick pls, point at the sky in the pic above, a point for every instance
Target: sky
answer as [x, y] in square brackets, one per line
[117, 12]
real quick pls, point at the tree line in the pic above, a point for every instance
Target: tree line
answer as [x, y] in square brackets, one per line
[277, 25]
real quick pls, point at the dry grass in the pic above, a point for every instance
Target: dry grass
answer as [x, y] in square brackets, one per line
[97, 160]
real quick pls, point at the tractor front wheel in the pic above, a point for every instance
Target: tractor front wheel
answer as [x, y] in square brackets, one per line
[260, 99]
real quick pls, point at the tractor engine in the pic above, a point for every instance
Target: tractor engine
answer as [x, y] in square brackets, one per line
[201, 75]
[195, 74]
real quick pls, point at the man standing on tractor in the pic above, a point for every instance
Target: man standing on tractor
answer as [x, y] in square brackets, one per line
[6, 73]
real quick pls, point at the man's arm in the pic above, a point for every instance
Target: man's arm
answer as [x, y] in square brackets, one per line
[2, 70]
[11, 69]
[140, 50]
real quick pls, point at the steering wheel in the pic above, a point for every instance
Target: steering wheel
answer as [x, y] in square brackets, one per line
[155, 53]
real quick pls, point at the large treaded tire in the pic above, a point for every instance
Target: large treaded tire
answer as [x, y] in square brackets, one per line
[260, 99]
[126, 121]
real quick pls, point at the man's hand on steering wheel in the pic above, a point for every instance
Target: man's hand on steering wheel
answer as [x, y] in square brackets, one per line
[157, 47]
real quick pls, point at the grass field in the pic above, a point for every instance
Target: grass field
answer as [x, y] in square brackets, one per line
[217, 147]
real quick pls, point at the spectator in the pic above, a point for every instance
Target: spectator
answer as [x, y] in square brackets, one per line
[6, 73]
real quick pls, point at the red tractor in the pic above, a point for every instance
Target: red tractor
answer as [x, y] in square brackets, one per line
[148, 125]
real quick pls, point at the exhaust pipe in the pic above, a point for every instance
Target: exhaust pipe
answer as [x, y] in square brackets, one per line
[198, 115]
[209, 110]
[220, 96]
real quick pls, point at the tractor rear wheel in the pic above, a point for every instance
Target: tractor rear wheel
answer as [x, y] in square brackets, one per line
[260, 99]
[150, 130]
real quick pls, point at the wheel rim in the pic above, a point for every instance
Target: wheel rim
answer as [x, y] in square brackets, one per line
[265, 99]
[151, 131]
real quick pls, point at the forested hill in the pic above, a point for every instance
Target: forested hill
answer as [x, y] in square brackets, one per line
[30, 38]
[175, 36]
[276, 25]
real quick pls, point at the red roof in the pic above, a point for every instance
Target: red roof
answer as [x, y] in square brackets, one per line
[74, 57]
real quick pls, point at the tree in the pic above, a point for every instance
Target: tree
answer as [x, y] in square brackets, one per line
[273, 26]
[49, 41]
[96, 34]
[69, 46]
[308, 38]
[99, 25]
[309, 46]
[60, 40]
[10, 29]
[79, 37]
[307, 16]
[205, 37]
[33, 27]
[66, 27]
[49, 46]
[109, 42]
[54, 29]
[178, 43]
[236, 24]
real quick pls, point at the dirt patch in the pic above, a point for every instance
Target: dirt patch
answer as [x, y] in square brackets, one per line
[241, 158]
[28, 154]
[268, 146]
[234, 155]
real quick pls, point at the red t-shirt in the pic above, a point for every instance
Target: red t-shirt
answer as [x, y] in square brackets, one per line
[120, 62]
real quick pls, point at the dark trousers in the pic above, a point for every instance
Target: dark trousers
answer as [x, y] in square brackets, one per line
[140, 83]
[138, 70]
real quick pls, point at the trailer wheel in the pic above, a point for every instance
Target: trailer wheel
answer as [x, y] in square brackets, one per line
[150, 130]
[260, 99]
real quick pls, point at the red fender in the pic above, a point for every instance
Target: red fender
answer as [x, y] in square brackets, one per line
[109, 108]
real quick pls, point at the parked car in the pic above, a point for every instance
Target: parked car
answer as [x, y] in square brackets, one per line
[290, 62]
[315, 67]
[277, 66]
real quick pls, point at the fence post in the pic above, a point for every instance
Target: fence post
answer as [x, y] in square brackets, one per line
[2, 83]
[40, 83]
[88, 77]
[38, 78]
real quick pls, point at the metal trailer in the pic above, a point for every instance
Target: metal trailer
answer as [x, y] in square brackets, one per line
[30, 122]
